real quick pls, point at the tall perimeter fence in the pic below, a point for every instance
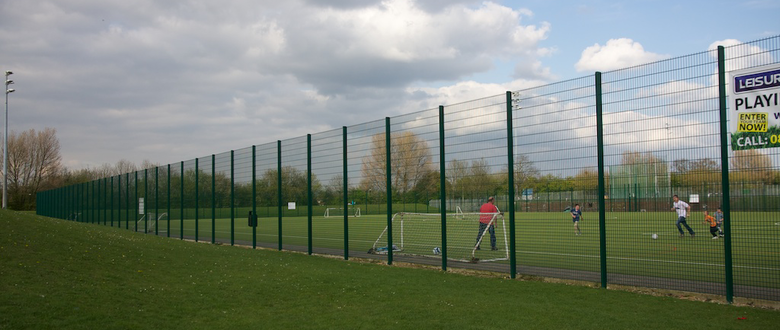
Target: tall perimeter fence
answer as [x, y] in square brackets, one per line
[620, 144]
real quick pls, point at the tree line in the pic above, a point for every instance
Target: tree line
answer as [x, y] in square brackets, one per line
[35, 164]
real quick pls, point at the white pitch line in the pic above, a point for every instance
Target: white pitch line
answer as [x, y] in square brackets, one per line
[642, 259]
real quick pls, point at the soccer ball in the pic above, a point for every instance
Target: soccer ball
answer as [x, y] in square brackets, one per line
[436, 251]
[655, 236]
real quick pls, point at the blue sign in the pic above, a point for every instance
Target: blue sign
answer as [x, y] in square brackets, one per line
[756, 81]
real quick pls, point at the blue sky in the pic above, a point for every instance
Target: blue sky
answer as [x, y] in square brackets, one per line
[163, 81]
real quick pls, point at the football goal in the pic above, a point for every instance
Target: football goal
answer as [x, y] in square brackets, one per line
[339, 212]
[419, 234]
[150, 220]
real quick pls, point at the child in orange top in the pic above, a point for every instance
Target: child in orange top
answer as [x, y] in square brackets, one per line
[713, 224]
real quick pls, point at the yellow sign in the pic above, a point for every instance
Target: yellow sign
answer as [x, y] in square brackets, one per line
[753, 122]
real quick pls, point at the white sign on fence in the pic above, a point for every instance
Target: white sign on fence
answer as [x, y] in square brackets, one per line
[754, 108]
[291, 205]
[141, 205]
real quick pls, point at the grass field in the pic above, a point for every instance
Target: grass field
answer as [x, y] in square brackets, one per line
[546, 239]
[61, 274]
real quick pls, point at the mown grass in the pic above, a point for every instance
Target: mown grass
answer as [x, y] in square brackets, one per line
[61, 274]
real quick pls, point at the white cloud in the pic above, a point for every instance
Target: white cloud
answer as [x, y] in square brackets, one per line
[616, 54]
[170, 81]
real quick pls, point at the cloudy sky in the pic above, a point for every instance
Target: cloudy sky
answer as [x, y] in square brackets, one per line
[174, 80]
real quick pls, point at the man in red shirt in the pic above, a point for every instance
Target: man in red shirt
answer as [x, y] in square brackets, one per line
[488, 211]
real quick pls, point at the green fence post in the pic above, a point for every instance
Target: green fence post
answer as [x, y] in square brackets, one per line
[442, 190]
[511, 183]
[389, 189]
[345, 186]
[197, 197]
[254, 196]
[112, 201]
[168, 226]
[146, 200]
[232, 198]
[213, 199]
[156, 200]
[97, 182]
[724, 160]
[602, 211]
[135, 219]
[309, 198]
[127, 200]
[279, 187]
[181, 203]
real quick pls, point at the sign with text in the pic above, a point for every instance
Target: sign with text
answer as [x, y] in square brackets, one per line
[754, 108]
[291, 205]
[141, 205]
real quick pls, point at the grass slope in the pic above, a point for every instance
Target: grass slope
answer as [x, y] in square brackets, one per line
[60, 274]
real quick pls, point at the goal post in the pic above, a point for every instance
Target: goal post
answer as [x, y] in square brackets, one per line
[419, 234]
[151, 220]
[339, 212]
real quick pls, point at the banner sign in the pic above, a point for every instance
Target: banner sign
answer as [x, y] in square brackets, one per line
[754, 108]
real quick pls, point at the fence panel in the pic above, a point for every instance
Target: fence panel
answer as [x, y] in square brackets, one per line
[365, 148]
[328, 193]
[555, 154]
[661, 129]
[266, 164]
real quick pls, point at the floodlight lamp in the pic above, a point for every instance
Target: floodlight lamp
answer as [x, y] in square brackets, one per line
[10, 91]
[8, 73]
[8, 82]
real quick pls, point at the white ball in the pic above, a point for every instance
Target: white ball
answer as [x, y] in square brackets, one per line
[655, 236]
[436, 250]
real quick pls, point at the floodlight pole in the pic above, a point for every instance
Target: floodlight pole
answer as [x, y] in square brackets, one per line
[5, 140]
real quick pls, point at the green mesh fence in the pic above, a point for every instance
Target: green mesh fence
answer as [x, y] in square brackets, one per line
[614, 148]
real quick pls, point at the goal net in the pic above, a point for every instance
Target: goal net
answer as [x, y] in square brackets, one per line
[467, 239]
[149, 220]
[339, 212]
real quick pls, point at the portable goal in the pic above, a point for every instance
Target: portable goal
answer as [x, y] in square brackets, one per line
[339, 212]
[150, 219]
[419, 234]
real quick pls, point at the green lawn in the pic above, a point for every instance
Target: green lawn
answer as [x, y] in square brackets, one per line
[62, 274]
[545, 239]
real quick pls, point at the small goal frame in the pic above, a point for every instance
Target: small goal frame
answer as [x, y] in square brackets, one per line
[354, 212]
[497, 219]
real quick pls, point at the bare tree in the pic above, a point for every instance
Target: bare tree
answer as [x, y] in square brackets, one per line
[752, 166]
[456, 173]
[410, 157]
[525, 171]
[34, 161]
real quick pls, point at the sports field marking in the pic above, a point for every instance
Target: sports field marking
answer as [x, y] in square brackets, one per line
[642, 259]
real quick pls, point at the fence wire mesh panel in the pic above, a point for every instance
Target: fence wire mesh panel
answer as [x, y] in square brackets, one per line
[366, 179]
[661, 138]
[191, 222]
[242, 185]
[414, 152]
[161, 201]
[680, 209]
[755, 197]
[475, 170]
[266, 165]
[327, 166]
[294, 194]
[204, 199]
[175, 215]
[556, 180]
[221, 197]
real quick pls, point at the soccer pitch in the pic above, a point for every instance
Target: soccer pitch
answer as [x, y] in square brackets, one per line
[547, 240]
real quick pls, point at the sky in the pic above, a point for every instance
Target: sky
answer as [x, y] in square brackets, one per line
[167, 81]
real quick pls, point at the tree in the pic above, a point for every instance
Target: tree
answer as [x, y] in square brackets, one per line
[752, 166]
[525, 172]
[410, 162]
[34, 164]
[695, 172]
[456, 173]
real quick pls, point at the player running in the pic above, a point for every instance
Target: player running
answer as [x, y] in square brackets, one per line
[713, 224]
[576, 216]
[683, 209]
